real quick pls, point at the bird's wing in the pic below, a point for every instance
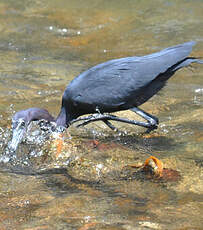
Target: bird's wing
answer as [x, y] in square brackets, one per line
[112, 82]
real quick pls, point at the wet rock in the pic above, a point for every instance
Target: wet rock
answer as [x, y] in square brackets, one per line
[153, 169]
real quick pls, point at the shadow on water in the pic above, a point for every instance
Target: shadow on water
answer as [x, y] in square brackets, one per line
[149, 143]
[67, 184]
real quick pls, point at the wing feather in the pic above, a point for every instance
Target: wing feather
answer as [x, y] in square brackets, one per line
[112, 82]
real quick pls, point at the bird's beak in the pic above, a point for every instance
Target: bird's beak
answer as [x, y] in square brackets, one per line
[19, 130]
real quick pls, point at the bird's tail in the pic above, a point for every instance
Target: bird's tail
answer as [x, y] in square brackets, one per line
[187, 61]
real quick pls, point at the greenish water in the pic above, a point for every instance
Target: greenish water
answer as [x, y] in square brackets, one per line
[43, 46]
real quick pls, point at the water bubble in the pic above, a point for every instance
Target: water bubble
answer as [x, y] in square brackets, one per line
[4, 159]
[99, 168]
[64, 30]
[87, 218]
[199, 90]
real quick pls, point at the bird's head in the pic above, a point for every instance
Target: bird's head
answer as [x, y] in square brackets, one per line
[22, 119]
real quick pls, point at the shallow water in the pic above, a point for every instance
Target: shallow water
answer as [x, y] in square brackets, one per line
[85, 184]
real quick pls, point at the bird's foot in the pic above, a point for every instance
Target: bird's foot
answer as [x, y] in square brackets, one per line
[151, 128]
[153, 124]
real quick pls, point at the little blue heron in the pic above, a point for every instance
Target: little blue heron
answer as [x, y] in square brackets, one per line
[115, 85]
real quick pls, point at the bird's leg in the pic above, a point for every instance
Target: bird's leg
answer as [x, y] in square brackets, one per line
[152, 120]
[91, 117]
[108, 123]
[107, 117]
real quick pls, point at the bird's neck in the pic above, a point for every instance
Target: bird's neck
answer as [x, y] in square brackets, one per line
[61, 120]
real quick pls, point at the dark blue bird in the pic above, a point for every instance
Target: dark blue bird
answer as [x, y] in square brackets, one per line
[115, 85]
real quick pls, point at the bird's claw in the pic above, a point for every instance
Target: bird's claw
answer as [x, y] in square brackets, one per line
[151, 128]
